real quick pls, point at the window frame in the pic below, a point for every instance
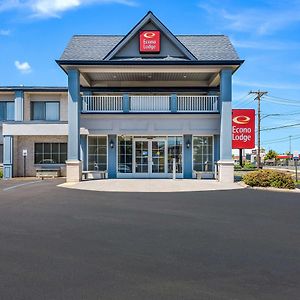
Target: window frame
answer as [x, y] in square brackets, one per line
[5, 110]
[44, 110]
[59, 153]
[87, 152]
[213, 153]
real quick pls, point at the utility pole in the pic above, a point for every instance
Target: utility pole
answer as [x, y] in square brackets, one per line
[290, 151]
[258, 94]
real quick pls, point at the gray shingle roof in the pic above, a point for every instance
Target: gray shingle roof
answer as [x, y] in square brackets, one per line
[96, 47]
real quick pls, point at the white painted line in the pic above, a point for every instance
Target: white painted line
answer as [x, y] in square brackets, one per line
[19, 185]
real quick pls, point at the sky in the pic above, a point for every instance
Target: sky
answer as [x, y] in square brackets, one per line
[33, 33]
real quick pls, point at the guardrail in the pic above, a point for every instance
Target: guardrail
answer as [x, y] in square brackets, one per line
[102, 103]
[149, 103]
[197, 103]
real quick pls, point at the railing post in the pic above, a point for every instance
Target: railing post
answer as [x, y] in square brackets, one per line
[173, 106]
[126, 103]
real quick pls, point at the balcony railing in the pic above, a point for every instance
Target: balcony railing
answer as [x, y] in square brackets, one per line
[150, 103]
[102, 104]
[197, 103]
[143, 103]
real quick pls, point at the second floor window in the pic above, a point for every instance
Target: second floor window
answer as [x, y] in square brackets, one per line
[7, 111]
[44, 110]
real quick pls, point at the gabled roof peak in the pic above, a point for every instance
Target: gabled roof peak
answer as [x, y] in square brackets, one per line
[150, 17]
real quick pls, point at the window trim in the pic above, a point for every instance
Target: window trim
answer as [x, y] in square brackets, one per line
[44, 110]
[87, 149]
[59, 153]
[5, 110]
[213, 153]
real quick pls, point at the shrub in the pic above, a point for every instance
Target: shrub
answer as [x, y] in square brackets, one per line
[1, 173]
[269, 178]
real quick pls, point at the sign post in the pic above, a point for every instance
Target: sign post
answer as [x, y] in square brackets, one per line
[24, 161]
[243, 130]
[296, 159]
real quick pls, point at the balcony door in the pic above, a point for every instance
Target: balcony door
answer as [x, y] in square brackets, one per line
[150, 157]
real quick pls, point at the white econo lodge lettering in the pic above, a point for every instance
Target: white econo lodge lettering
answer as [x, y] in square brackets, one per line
[241, 134]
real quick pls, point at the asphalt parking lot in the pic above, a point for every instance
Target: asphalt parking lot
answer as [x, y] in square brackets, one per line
[59, 243]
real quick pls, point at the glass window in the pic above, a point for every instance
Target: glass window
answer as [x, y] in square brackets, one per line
[52, 111]
[7, 111]
[175, 151]
[10, 111]
[125, 154]
[97, 153]
[1, 153]
[42, 110]
[203, 153]
[50, 153]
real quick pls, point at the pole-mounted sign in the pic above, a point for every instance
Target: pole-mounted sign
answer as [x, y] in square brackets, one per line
[150, 41]
[243, 128]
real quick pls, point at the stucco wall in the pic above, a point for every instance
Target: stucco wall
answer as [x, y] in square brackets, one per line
[151, 124]
[27, 142]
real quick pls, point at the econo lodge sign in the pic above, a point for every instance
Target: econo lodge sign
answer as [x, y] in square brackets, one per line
[243, 128]
[150, 41]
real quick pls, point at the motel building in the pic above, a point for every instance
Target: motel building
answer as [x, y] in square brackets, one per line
[133, 105]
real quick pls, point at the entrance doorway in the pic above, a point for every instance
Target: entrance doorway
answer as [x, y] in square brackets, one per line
[150, 157]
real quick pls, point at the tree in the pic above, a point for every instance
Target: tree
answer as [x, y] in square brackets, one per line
[271, 154]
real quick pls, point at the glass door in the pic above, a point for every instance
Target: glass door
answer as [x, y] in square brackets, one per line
[158, 153]
[142, 157]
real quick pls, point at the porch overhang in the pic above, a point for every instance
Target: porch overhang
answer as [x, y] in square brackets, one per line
[149, 73]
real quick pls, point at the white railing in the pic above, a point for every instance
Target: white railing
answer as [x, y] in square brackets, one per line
[102, 104]
[149, 103]
[197, 103]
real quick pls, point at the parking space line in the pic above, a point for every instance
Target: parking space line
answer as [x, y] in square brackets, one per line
[20, 185]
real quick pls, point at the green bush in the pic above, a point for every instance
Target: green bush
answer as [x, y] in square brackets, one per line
[1, 173]
[269, 178]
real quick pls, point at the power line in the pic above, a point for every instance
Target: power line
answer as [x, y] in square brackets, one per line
[279, 127]
[285, 99]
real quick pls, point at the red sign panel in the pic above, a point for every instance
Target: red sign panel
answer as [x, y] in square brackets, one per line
[150, 41]
[243, 128]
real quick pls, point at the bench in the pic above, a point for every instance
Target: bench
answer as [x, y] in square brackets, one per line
[47, 172]
[94, 175]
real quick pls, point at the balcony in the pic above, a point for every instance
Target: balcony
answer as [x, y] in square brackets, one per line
[152, 104]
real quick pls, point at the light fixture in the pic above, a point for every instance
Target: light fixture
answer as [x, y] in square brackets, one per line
[188, 144]
[184, 76]
[112, 144]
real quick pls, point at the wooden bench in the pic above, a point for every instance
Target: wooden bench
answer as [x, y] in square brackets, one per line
[47, 172]
[94, 175]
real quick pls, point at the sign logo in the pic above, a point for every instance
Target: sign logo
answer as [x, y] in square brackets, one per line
[243, 128]
[150, 41]
[241, 120]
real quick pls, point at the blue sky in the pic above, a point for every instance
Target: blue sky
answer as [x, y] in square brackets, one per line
[33, 33]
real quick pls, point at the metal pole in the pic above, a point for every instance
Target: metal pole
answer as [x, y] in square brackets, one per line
[296, 169]
[241, 157]
[24, 165]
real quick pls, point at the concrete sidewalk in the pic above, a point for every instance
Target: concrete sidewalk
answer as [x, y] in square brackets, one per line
[152, 185]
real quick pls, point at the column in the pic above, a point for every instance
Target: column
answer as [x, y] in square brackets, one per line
[112, 156]
[126, 104]
[74, 166]
[7, 157]
[187, 156]
[19, 106]
[225, 164]
[173, 104]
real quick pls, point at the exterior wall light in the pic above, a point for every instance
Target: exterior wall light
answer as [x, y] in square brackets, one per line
[188, 144]
[112, 144]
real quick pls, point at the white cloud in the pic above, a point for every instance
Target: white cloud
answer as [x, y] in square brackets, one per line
[54, 8]
[4, 32]
[264, 20]
[23, 67]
